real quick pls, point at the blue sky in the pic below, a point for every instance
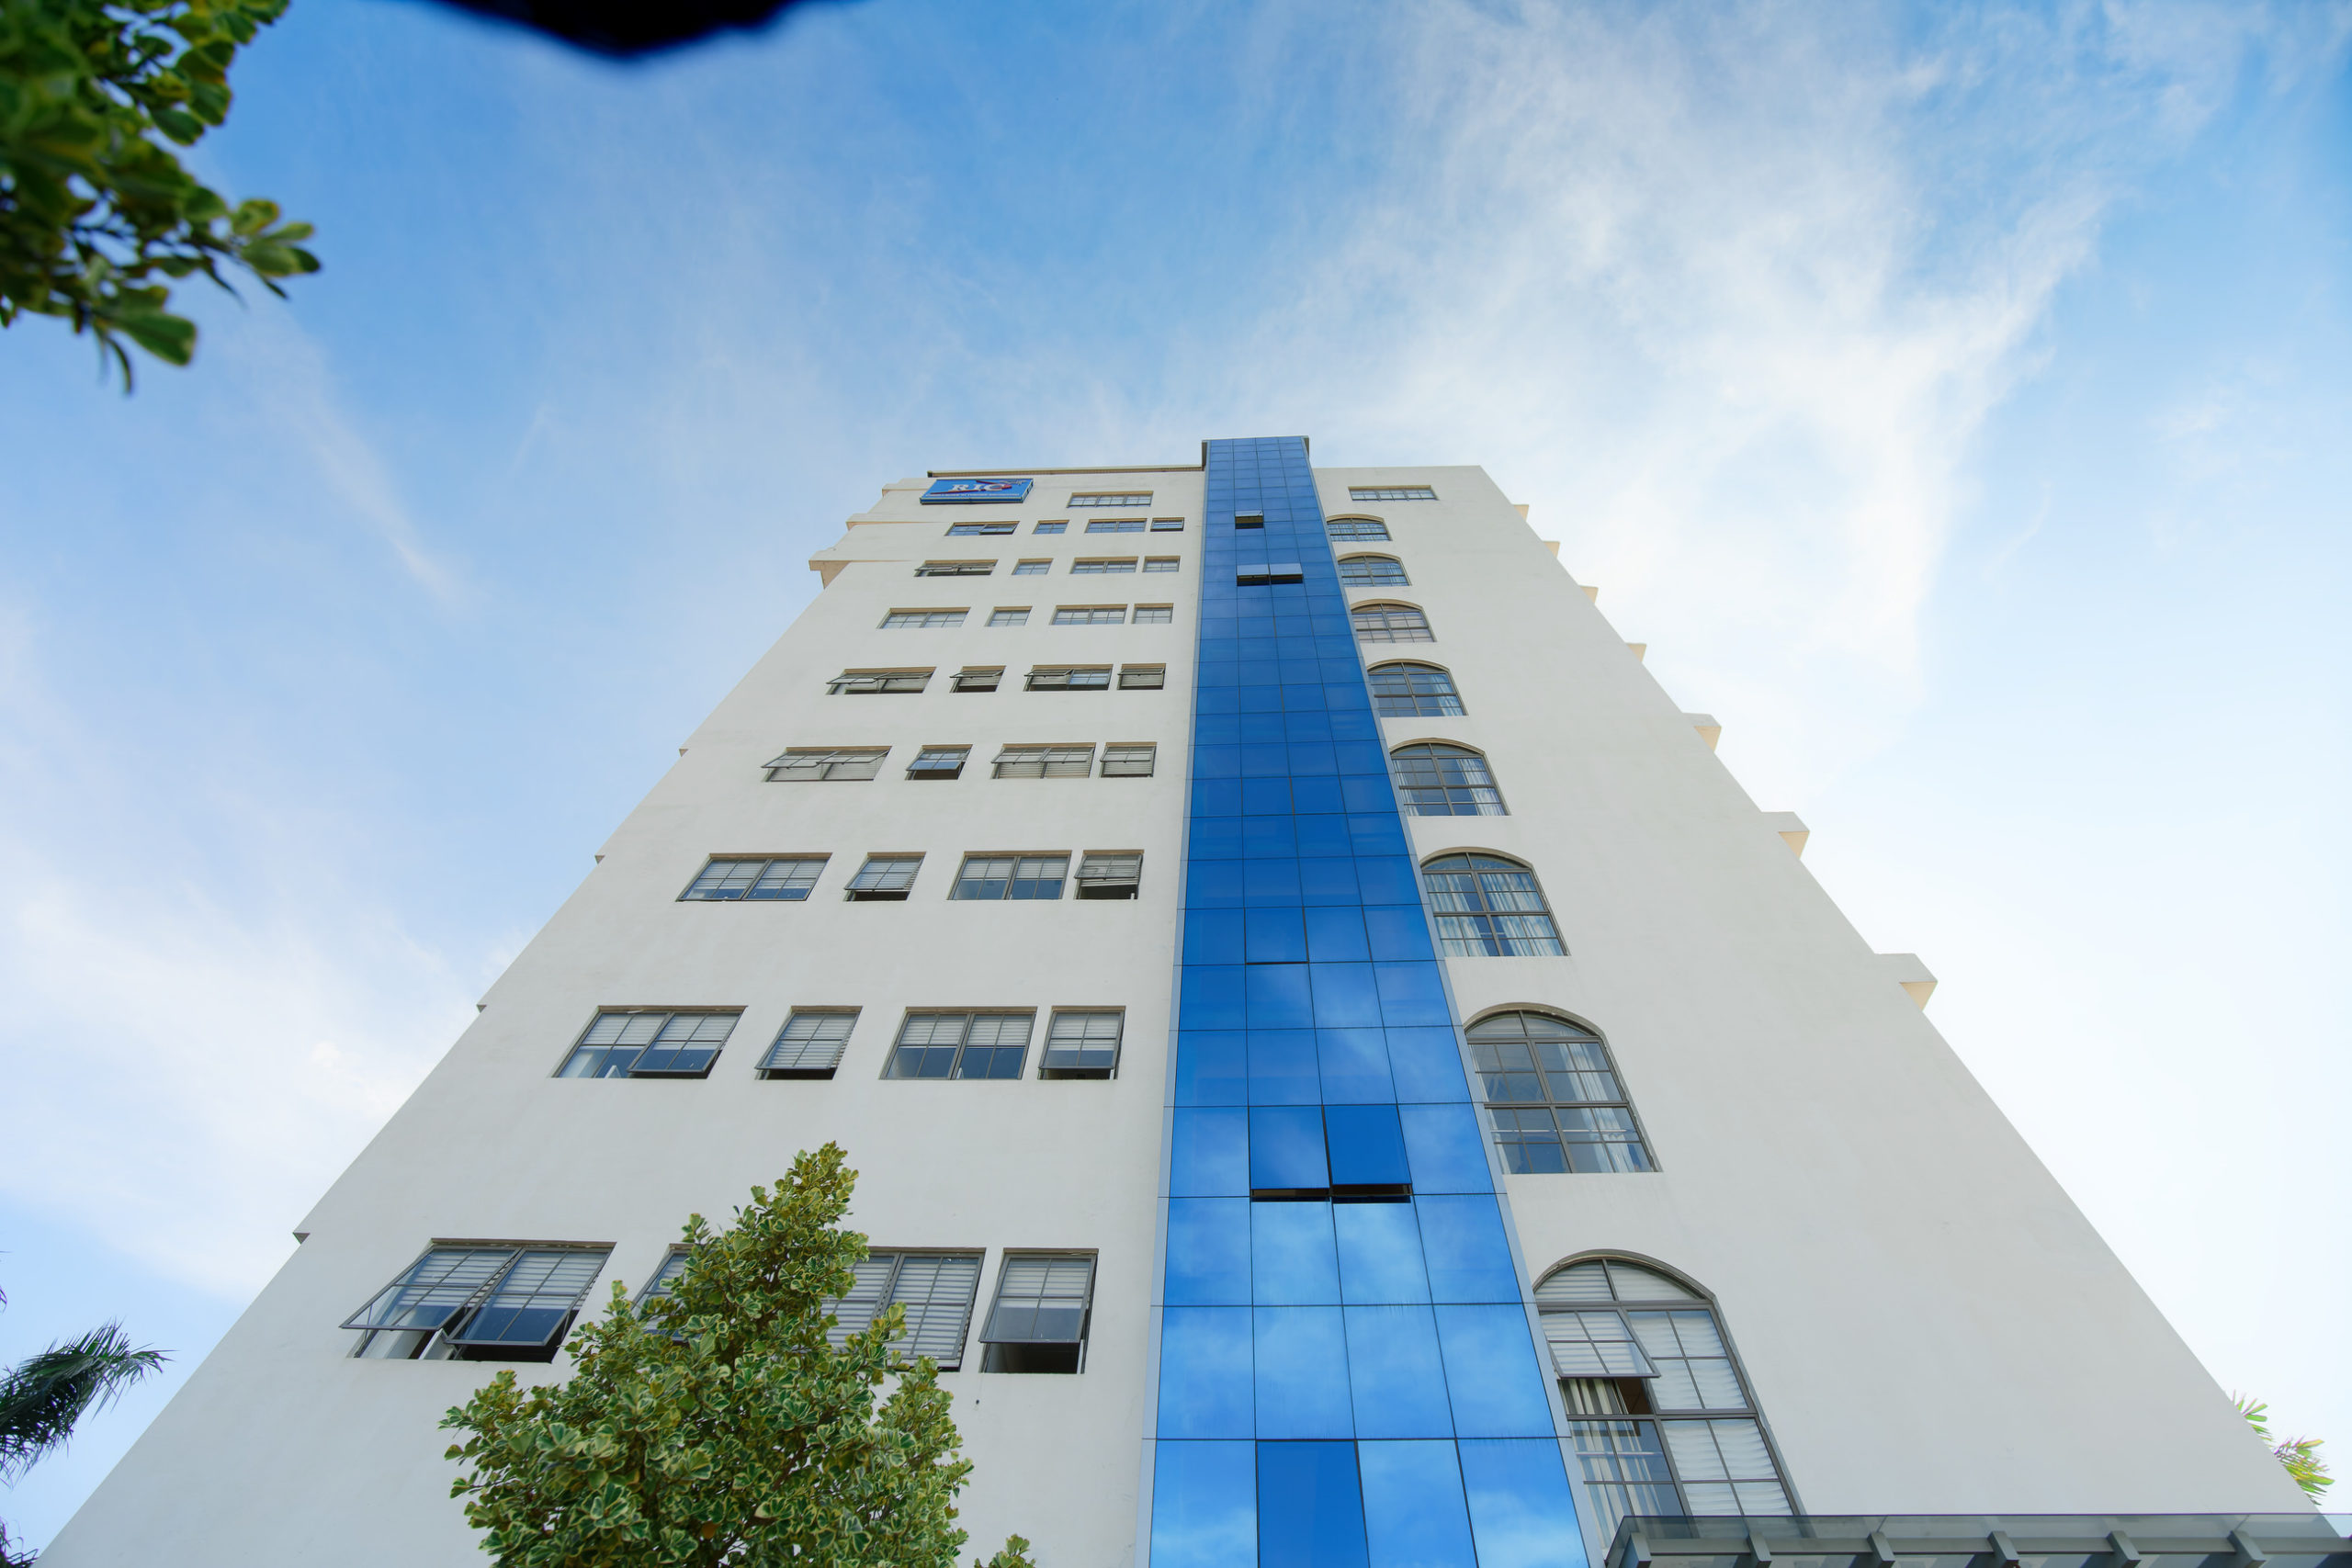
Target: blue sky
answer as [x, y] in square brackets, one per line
[1952, 398]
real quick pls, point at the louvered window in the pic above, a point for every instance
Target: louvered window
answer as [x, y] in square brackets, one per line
[648, 1043]
[1000, 878]
[962, 1045]
[1043, 763]
[907, 620]
[1056, 677]
[964, 530]
[1089, 614]
[1039, 1321]
[877, 682]
[939, 762]
[884, 879]
[473, 1302]
[809, 764]
[785, 880]
[1109, 876]
[936, 1291]
[956, 569]
[1391, 493]
[1082, 1044]
[810, 1044]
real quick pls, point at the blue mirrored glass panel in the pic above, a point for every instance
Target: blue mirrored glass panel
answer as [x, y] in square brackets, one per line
[1302, 1373]
[1490, 1372]
[1209, 1154]
[1293, 1262]
[1469, 1257]
[1414, 1515]
[1517, 1494]
[1206, 1359]
[1396, 1374]
[1208, 1252]
[1286, 1149]
[1443, 1144]
[1380, 1253]
[1203, 1504]
[1367, 1146]
[1311, 1507]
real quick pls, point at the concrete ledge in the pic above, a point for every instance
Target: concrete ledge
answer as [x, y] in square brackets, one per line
[1704, 723]
[1906, 970]
[1641, 650]
[1791, 828]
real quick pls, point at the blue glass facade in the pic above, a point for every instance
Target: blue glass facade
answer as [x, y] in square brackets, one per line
[1346, 1376]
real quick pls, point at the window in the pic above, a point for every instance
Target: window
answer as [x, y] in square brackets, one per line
[1356, 528]
[1413, 691]
[962, 1045]
[1268, 573]
[1110, 873]
[810, 1044]
[657, 1289]
[884, 879]
[939, 762]
[963, 530]
[1488, 906]
[1143, 677]
[1554, 1098]
[1119, 498]
[1052, 526]
[956, 569]
[1009, 615]
[649, 1043]
[1391, 493]
[997, 878]
[1391, 622]
[820, 764]
[787, 879]
[1249, 520]
[1661, 1417]
[877, 682]
[1044, 762]
[1032, 567]
[479, 1303]
[1104, 568]
[1168, 525]
[1114, 526]
[1081, 1044]
[972, 680]
[1089, 614]
[1162, 563]
[901, 620]
[1039, 1321]
[1439, 779]
[1056, 677]
[1154, 615]
[934, 1287]
[1372, 572]
[1128, 761]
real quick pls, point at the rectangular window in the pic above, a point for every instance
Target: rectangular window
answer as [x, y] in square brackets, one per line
[1391, 493]
[1118, 498]
[480, 1303]
[1143, 677]
[1128, 761]
[962, 1045]
[1010, 615]
[877, 682]
[1357, 528]
[640, 1043]
[939, 762]
[1249, 520]
[1110, 873]
[1000, 878]
[810, 1044]
[1168, 525]
[1082, 1044]
[1089, 614]
[1052, 526]
[1039, 1321]
[657, 1289]
[827, 764]
[1044, 761]
[1032, 567]
[1114, 526]
[1056, 677]
[1155, 615]
[1270, 572]
[935, 1289]
[884, 879]
[956, 569]
[964, 530]
[1101, 568]
[785, 878]
[902, 620]
[978, 679]
[1162, 563]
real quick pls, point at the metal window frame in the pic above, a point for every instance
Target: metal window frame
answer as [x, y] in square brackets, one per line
[1392, 492]
[1020, 567]
[1117, 524]
[1150, 759]
[686, 896]
[1081, 880]
[878, 682]
[1329, 524]
[1022, 753]
[1371, 562]
[1046, 673]
[1487, 911]
[780, 763]
[963, 1042]
[1419, 699]
[1105, 566]
[956, 569]
[1046, 1070]
[921, 620]
[898, 1256]
[1167, 525]
[1143, 674]
[1093, 614]
[1385, 625]
[1006, 1259]
[1051, 525]
[965, 680]
[657, 1284]
[768, 1068]
[1017, 857]
[851, 890]
[1096, 500]
[968, 530]
[447, 1330]
[665, 1014]
[1397, 754]
[915, 770]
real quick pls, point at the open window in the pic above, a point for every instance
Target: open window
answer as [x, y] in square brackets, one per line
[1044, 1302]
[479, 1303]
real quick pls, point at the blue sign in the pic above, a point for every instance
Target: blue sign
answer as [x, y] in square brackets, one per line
[945, 491]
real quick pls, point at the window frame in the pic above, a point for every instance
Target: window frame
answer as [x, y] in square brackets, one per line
[1118, 525]
[1421, 700]
[443, 1338]
[1372, 559]
[689, 1045]
[1392, 492]
[1133, 884]
[991, 1360]
[967, 679]
[956, 569]
[1101, 1073]
[838, 757]
[877, 892]
[1385, 633]
[923, 620]
[1047, 671]
[1491, 917]
[1053, 758]
[1105, 566]
[1407, 792]
[1020, 860]
[1384, 537]
[1004, 616]
[1051, 525]
[1167, 525]
[1090, 616]
[1107, 500]
[1035, 567]
[970, 1016]
[1645, 1160]
[917, 772]
[752, 887]
[887, 1296]
[891, 682]
[974, 530]
[1150, 759]
[1163, 566]
[769, 1067]
[1144, 680]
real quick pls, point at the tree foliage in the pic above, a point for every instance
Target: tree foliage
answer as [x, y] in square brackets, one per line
[43, 1396]
[720, 1427]
[2300, 1455]
[96, 211]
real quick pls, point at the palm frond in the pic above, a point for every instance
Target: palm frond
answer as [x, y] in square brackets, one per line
[43, 1396]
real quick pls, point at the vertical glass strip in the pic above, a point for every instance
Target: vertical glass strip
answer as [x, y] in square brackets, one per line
[1346, 1378]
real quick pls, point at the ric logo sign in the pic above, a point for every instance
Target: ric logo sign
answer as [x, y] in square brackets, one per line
[949, 492]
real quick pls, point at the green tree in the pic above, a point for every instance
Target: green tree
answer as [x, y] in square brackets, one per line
[96, 212]
[720, 1427]
[43, 1396]
[2300, 1455]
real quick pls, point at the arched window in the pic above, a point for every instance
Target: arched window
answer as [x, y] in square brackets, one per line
[1661, 1416]
[1357, 528]
[1373, 571]
[1439, 779]
[1413, 691]
[1554, 1097]
[1391, 622]
[1488, 906]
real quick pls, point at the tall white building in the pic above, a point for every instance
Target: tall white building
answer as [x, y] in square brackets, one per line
[1343, 1078]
